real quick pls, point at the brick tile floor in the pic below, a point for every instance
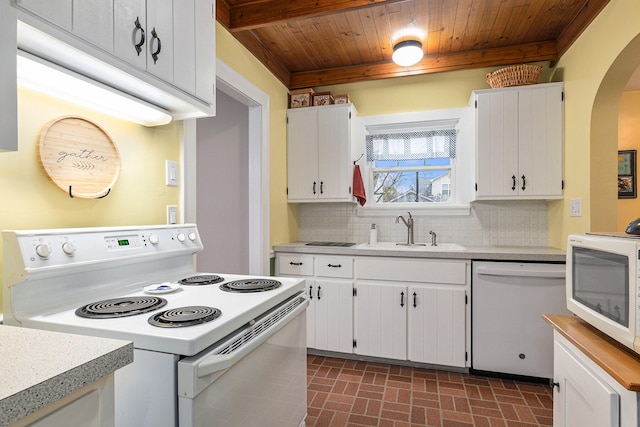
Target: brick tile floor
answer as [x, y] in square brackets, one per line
[352, 393]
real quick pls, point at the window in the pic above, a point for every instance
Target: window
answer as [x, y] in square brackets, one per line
[415, 164]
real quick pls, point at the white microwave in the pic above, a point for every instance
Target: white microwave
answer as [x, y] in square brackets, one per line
[603, 284]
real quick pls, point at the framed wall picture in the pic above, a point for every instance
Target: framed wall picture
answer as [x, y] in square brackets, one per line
[627, 174]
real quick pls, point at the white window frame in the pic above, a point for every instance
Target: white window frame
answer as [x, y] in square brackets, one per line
[462, 167]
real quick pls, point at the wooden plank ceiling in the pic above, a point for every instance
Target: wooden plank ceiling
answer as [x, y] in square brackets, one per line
[310, 43]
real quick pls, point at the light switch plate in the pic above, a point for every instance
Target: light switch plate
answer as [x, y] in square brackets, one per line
[172, 214]
[171, 173]
[575, 207]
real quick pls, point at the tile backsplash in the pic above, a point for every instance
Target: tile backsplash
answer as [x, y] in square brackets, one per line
[498, 223]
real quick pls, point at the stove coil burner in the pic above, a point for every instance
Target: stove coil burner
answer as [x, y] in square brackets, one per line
[201, 280]
[120, 307]
[184, 316]
[250, 285]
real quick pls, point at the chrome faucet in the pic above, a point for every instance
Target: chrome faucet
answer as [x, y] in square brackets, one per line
[409, 225]
[433, 238]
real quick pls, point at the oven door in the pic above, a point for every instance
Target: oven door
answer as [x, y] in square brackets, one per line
[257, 377]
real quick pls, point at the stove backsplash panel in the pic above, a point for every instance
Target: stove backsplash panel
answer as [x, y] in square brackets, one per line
[499, 223]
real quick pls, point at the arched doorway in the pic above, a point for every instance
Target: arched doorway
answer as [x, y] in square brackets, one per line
[604, 138]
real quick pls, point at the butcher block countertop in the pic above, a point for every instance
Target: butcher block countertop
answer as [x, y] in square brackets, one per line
[617, 360]
[38, 368]
[476, 253]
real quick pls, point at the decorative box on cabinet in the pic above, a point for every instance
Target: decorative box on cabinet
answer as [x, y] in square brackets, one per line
[329, 281]
[319, 164]
[519, 142]
[165, 45]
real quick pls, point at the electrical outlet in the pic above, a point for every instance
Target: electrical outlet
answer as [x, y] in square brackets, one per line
[575, 207]
[172, 214]
[171, 171]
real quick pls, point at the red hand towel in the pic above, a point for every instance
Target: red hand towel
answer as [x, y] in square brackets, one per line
[358, 186]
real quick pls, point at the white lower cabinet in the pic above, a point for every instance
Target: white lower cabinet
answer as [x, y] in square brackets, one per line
[412, 310]
[393, 308]
[585, 395]
[381, 320]
[437, 326]
[330, 316]
[329, 281]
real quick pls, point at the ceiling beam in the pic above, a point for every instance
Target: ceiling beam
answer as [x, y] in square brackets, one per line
[585, 16]
[264, 55]
[432, 64]
[267, 12]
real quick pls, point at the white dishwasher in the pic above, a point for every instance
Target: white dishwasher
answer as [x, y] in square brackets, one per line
[508, 334]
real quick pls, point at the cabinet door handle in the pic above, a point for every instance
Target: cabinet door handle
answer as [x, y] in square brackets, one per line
[334, 265]
[319, 287]
[513, 188]
[553, 384]
[154, 36]
[310, 292]
[321, 184]
[314, 187]
[138, 46]
[415, 300]
[295, 263]
[524, 183]
[401, 299]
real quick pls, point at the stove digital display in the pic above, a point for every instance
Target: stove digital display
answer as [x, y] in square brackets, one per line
[123, 242]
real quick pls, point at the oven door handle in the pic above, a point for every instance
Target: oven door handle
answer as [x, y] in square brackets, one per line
[220, 362]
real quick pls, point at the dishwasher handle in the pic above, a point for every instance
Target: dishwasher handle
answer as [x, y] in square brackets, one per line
[506, 272]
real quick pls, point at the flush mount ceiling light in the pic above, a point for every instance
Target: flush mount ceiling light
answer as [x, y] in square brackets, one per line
[407, 53]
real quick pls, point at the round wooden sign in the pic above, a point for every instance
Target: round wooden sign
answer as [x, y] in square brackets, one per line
[79, 157]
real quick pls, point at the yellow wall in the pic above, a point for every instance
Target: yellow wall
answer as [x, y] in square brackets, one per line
[593, 73]
[594, 70]
[284, 217]
[416, 93]
[29, 200]
[629, 139]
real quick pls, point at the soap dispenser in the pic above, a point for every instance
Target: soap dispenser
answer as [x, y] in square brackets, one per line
[373, 235]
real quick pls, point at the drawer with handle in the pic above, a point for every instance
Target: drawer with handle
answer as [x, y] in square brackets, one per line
[334, 266]
[299, 265]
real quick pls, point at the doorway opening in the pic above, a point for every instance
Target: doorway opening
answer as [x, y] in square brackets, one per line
[252, 230]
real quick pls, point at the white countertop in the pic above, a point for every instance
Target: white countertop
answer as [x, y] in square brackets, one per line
[38, 367]
[484, 253]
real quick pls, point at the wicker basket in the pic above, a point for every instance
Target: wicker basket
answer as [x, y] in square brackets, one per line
[516, 75]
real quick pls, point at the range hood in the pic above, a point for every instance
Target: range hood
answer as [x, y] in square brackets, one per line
[46, 51]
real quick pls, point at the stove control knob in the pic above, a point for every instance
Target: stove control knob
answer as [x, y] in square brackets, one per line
[153, 238]
[43, 250]
[181, 237]
[68, 248]
[192, 236]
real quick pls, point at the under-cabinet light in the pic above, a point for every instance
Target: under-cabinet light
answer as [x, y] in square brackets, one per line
[44, 77]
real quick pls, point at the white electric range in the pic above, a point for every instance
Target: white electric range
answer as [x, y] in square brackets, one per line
[206, 346]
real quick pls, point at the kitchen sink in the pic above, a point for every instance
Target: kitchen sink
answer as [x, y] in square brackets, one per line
[387, 246]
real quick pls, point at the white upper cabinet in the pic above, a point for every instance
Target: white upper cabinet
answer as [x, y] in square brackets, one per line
[166, 44]
[57, 12]
[8, 94]
[93, 22]
[519, 142]
[160, 38]
[319, 141]
[130, 35]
